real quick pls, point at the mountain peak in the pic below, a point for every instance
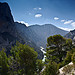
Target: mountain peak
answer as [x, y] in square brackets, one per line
[6, 18]
[5, 13]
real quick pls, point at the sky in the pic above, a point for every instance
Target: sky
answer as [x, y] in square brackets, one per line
[60, 13]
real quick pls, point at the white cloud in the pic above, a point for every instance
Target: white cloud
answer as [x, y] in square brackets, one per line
[62, 20]
[56, 18]
[39, 8]
[38, 15]
[68, 22]
[73, 24]
[66, 29]
[23, 23]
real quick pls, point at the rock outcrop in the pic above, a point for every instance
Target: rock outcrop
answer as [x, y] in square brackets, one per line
[6, 19]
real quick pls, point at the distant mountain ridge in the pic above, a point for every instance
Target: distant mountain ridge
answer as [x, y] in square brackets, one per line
[71, 34]
[44, 31]
[35, 35]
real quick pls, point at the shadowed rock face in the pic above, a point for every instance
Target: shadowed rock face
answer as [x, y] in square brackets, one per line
[71, 34]
[10, 32]
[7, 32]
[6, 19]
[5, 13]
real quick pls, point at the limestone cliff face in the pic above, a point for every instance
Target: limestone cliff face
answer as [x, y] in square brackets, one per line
[7, 32]
[5, 13]
[6, 19]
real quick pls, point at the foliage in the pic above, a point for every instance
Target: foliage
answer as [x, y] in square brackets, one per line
[68, 57]
[40, 65]
[14, 66]
[73, 58]
[51, 69]
[57, 47]
[66, 61]
[3, 63]
[24, 58]
[21, 62]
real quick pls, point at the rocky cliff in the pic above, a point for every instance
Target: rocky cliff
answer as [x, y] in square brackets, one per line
[10, 32]
[6, 26]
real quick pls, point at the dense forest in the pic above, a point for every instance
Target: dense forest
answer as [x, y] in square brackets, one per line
[23, 60]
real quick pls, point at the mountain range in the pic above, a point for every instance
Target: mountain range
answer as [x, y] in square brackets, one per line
[34, 35]
[71, 34]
